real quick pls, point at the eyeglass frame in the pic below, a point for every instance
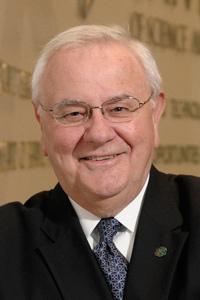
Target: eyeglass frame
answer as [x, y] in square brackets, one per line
[90, 108]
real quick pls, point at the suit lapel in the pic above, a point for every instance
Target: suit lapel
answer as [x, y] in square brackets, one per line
[158, 243]
[68, 254]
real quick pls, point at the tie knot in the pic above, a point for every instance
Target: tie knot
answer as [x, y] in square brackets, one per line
[108, 227]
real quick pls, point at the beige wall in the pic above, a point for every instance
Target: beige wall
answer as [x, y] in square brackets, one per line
[170, 27]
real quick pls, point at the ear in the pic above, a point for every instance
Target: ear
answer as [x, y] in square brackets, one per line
[158, 110]
[38, 118]
[37, 115]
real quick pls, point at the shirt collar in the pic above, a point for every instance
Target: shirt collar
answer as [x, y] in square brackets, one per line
[128, 217]
[87, 220]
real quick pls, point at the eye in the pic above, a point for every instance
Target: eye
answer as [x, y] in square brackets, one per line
[119, 109]
[75, 115]
[71, 113]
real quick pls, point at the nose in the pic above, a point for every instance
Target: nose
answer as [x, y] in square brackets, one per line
[98, 130]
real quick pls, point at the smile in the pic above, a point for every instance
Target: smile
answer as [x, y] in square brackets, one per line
[99, 158]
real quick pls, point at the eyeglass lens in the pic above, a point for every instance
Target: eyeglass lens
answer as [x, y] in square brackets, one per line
[115, 110]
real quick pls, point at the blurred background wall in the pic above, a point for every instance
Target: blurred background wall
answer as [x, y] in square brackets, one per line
[171, 28]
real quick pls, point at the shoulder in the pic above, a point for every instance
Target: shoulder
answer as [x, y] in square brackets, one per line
[188, 188]
[184, 184]
[188, 183]
[181, 190]
[16, 217]
[189, 195]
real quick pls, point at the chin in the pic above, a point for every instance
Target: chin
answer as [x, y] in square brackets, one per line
[106, 191]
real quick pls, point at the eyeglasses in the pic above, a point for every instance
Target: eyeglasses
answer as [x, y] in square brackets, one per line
[74, 113]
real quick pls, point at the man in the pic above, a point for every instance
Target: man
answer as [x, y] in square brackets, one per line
[114, 227]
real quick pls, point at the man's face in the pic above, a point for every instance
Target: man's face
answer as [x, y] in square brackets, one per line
[99, 159]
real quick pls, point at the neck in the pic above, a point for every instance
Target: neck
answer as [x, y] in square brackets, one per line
[105, 207]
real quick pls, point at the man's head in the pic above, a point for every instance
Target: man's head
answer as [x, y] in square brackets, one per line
[101, 155]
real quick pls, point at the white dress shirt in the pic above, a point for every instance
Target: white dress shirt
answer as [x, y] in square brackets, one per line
[128, 217]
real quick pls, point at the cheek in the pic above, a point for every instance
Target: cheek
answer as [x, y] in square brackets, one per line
[135, 132]
[60, 140]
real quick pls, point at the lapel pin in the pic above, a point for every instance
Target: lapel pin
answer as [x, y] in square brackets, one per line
[160, 251]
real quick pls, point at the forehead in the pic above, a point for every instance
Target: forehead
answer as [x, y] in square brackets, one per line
[97, 66]
[93, 54]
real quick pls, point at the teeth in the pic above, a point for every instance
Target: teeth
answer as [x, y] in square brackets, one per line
[100, 157]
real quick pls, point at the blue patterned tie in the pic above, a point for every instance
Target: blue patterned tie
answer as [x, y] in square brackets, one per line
[111, 261]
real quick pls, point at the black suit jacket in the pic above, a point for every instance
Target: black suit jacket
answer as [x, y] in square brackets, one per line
[44, 254]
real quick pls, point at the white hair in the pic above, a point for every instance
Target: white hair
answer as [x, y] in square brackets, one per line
[85, 34]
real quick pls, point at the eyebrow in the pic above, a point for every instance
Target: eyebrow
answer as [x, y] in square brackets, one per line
[69, 100]
[120, 96]
[117, 97]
